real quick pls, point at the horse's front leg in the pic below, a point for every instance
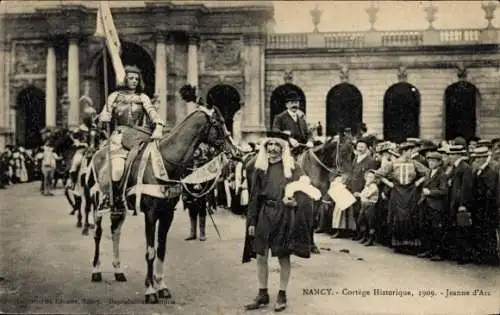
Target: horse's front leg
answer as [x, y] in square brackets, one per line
[87, 209]
[78, 204]
[117, 220]
[96, 264]
[163, 228]
[150, 226]
[314, 248]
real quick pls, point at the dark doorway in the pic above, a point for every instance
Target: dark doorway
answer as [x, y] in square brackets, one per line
[461, 100]
[401, 112]
[277, 96]
[344, 108]
[227, 99]
[30, 117]
[132, 55]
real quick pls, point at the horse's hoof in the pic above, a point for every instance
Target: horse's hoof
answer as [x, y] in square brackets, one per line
[134, 214]
[120, 277]
[96, 277]
[315, 250]
[78, 224]
[85, 231]
[164, 294]
[91, 226]
[72, 212]
[151, 298]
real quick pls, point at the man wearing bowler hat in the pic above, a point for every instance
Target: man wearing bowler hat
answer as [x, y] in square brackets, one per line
[433, 205]
[292, 121]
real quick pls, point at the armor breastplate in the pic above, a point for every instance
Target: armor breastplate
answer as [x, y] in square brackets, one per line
[128, 110]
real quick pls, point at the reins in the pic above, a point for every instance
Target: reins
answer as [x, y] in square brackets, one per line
[316, 158]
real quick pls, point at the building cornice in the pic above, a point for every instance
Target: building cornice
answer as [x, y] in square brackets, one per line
[382, 51]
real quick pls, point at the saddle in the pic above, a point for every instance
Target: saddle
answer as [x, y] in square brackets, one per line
[133, 136]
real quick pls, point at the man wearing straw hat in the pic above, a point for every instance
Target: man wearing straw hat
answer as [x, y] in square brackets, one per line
[461, 182]
[485, 216]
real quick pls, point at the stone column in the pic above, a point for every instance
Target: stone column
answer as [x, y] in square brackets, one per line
[50, 87]
[7, 113]
[254, 80]
[161, 74]
[73, 83]
[192, 60]
[4, 86]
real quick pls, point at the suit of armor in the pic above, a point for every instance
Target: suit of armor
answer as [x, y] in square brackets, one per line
[128, 111]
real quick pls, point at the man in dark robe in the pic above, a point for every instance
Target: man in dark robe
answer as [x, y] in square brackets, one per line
[486, 204]
[275, 221]
[356, 181]
[293, 122]
[460, 201]
[432, 203]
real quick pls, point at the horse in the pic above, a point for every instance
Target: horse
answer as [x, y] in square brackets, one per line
[75, 193]
[321, 164]
[64, 147]
[156, 198]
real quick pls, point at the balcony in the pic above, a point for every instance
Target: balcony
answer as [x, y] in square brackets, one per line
[372, 39]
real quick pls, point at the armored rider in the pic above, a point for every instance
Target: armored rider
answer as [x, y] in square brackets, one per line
[82, 141]
[128, 111]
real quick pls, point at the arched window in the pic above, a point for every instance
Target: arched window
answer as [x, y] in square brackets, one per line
[461, 100]
[227, 99]
[30, 118]
[344, 108]
[401, 112]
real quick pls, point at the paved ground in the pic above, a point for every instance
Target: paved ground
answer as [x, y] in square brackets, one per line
[44, 258]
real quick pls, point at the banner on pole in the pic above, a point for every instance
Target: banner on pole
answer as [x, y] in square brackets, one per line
[106, 29]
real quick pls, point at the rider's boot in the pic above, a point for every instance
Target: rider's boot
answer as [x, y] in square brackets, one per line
[192, 234]
[73, 176]
[203, 224]
[117, 196]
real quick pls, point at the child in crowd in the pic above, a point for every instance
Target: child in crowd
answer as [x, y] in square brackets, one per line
[368, 198]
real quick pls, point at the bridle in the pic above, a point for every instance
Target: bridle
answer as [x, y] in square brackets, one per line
[323, 165]
[212, 121]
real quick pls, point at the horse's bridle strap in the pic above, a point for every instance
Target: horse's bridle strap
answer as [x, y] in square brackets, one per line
[316, 158]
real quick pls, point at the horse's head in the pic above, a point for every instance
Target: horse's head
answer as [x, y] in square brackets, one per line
[204, 125]
[335, 154]
[216, 134]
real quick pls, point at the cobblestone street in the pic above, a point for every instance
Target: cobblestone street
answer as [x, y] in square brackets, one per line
[45, 259]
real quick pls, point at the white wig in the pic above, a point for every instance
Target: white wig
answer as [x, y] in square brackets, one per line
[262, 161]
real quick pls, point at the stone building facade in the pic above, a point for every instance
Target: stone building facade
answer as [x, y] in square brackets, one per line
[434, 84]
[430, 83]
[52, 65]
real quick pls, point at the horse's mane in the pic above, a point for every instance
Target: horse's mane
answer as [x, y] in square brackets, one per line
[181, 125]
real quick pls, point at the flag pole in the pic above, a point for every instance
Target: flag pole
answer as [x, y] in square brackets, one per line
[108, 127]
